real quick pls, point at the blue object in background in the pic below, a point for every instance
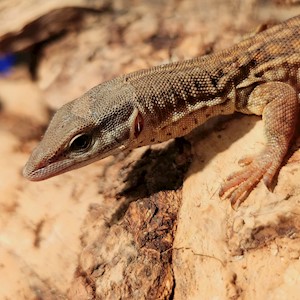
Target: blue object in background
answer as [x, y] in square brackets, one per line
[6, 63]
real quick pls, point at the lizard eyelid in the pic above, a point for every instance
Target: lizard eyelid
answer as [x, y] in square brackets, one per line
[81, 142]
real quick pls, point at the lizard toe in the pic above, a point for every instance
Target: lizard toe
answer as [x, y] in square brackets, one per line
[239, 185]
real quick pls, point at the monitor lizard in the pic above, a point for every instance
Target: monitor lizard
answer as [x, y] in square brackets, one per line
[259, 75]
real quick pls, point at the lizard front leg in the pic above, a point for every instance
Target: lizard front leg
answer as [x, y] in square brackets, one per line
[278, 104]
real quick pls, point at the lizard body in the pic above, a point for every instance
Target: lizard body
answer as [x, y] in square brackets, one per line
[259, 75]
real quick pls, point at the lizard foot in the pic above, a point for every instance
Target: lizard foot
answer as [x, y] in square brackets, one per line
[279, 105]
[239, 184]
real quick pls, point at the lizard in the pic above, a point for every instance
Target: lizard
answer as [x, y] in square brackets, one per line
[259, 75]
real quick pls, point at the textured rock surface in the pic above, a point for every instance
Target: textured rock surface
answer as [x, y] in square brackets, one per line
[147, 224]
[251, 253]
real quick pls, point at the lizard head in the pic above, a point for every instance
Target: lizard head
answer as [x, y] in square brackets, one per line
[102, 122]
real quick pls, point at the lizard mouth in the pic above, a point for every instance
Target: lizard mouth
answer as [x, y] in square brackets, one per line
[45, 170]
[37, 169]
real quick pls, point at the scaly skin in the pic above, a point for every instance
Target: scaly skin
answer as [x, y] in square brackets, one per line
[259, 76]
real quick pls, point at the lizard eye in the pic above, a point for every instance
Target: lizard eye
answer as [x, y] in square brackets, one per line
[81, 142]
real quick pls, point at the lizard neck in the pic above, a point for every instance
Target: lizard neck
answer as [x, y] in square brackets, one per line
[178, 97]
